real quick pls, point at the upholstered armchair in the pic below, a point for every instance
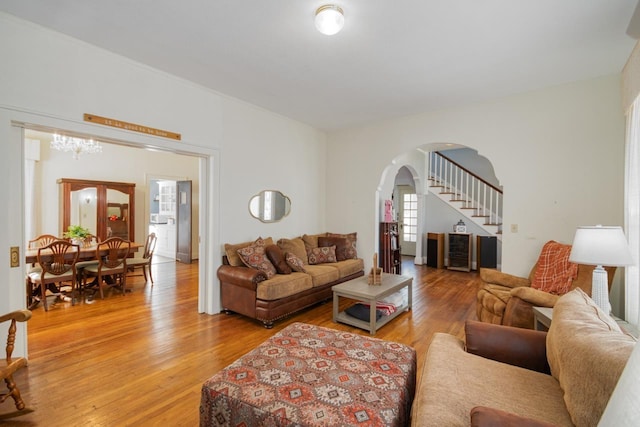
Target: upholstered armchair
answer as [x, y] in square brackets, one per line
[505, 299]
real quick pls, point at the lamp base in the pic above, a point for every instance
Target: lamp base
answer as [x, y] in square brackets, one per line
[600, 289]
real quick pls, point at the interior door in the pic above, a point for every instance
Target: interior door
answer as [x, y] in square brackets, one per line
[408, 219]
[183, 219]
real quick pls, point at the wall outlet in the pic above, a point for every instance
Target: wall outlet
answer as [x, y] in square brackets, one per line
[514, 228]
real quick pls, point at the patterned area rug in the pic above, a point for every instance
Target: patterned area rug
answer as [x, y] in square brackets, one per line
[308, 375]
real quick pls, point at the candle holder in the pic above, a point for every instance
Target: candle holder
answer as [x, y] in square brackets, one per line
[375, 275]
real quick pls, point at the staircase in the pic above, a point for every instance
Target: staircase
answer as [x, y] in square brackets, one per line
[475, 199]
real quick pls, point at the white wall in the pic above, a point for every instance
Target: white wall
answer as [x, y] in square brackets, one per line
[115, 163]
[51, 79]
[558, 153]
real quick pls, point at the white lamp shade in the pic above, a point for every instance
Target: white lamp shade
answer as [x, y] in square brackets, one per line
[329, 19]
[600, 245]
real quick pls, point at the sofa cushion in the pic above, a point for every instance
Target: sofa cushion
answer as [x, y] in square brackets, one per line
[351, 252]
[294, 246]
[322, 274]
[254, 256]
[554, 273]
[341, 244]
[348, 266]
[453, 382]
[280, 286]
[231, 251]
[294, 262]
[276, 256]
[587, 352]
[322, 255]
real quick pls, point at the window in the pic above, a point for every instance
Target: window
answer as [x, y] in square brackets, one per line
[410, 217]
[632, 213]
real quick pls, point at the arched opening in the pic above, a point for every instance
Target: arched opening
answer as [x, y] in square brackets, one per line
[442, 185]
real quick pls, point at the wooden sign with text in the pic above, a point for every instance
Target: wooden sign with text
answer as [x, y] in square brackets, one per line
[131, 126]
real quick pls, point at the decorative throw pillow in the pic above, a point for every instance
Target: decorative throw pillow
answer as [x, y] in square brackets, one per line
[351, 252]
[231, 251]
[322, 255]
[294, 262]
[341, 244]
[295, 246]
[276, 256]
[554, 273]
[254, 256]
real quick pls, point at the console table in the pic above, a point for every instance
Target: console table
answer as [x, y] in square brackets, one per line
[542, 317]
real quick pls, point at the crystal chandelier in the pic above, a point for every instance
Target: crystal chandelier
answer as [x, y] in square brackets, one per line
[76, 145]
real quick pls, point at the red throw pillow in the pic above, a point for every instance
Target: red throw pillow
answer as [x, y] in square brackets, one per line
[294, 262]
[554, 273]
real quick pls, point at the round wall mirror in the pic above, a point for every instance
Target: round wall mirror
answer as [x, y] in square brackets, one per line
[269, 206]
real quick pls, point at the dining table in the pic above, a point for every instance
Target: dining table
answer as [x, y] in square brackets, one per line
[87, 253]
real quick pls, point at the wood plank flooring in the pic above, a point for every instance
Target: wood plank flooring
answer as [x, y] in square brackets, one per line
[140, 359]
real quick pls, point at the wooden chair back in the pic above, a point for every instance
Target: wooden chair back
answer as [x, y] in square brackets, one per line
[42, 240]
[150, 246]
[58, 258]
[118, 251]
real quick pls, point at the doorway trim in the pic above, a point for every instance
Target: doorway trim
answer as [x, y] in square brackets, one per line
[209, 195]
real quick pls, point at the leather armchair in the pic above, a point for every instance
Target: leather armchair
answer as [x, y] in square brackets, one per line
[505, 299]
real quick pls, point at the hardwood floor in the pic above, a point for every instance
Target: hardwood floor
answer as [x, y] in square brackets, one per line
[140, 359]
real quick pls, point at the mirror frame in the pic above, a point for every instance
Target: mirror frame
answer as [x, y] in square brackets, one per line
[260, 215]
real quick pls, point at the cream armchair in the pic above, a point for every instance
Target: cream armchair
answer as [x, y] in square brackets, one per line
[505, 299]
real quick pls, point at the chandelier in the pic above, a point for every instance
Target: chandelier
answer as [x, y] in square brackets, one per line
[76, 145]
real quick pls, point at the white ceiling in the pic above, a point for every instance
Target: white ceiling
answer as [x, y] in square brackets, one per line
[393, 58]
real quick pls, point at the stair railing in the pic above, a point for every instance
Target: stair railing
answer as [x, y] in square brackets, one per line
[466, 187]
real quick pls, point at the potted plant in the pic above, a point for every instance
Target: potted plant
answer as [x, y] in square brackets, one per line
[77, 234]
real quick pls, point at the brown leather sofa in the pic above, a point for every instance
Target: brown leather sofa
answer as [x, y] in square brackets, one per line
[249, 292]
[512, 376]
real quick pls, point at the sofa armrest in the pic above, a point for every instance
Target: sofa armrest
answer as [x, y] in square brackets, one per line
[496, 277]
[516, 346]
[241, 276]
[482, 416]
[535, 297]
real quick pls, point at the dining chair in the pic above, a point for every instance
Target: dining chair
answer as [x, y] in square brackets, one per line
[57, 262]
[9, 365]
[144, 263]
[38, 242]
[112, 256]
[91, 241]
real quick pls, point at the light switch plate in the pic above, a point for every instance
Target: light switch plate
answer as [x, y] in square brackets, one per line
[15, 256]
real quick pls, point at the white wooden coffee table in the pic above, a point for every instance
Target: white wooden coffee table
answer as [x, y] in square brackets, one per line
[359, 289]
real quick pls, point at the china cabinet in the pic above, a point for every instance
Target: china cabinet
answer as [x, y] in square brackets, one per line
[106, 208]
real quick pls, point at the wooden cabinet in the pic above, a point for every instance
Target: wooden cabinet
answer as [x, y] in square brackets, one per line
[106, 208]
[166, 243]
[435, 250]
[389, 248]
[459, 252]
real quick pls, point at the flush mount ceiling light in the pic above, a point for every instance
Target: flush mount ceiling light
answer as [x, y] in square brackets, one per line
[329, 19]
[76, 145]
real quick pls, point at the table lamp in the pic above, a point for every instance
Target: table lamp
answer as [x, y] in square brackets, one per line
[600, 245]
